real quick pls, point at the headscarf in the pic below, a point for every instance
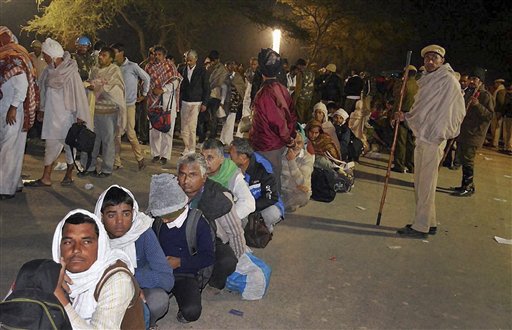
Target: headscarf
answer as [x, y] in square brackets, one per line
[323, 143]
[84, 283]
[140, 223]
[15, 60]
[269, 62]
[52, 48]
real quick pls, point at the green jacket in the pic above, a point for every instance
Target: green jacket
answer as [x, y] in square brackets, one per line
[411, 88]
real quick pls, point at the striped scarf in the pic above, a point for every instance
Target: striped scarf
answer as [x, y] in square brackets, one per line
[161, 74]
[14, 60]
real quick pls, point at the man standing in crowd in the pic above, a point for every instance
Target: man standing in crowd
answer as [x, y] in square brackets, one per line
[164, 87]
[246, 106]
[497, 119]
[131, 75]
[109, 111]
[273, 124]
[63, 102]
[37, 58]
[436, 115]
[218, 92]
[353, 89]
[18, 102]
[504, 104]
[83, 57]
[194, 92]
[473, 130]
[404, 152]
[303, 91]
[330, 85]
[233, 103]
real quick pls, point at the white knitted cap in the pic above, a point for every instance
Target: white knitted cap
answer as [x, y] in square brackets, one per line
[165, 195]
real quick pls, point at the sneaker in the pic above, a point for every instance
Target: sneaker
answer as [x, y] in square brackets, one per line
[465, 192]
[412, 233]
[180, 318]
[163, 161]
[155, 159]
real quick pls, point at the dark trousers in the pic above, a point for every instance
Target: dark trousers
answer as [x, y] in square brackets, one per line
[404, 149]
[188, 296]
[142, 122]
[207, 121]
[225, 264]
[350, 105]
[467, 157]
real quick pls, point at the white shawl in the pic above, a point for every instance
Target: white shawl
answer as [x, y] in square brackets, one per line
[438, 108]
[84, 283]
[140, 223]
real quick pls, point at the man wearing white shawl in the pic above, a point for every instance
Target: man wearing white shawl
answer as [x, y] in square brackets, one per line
[81, 245]
[63, 102]
[107, 83]
[435, 117]
[130, 230]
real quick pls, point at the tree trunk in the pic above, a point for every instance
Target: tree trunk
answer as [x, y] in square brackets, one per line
[138, 30]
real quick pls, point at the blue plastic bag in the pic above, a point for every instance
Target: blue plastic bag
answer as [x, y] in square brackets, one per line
[251, 277]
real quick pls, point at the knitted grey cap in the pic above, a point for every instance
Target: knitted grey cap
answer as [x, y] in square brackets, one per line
[165, 195]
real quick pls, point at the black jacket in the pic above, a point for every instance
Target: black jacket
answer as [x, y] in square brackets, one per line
[263, 185]
[354, 86]
[198, 88]
[330, 87]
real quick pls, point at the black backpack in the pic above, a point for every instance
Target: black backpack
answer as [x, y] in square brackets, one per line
[322, 185]
[204, 274]
[32, 304]
[82, 139]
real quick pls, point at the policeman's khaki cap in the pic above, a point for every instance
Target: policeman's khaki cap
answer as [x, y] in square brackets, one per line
[331, 67]
[411, 68]
[500, 81]
[433, 49]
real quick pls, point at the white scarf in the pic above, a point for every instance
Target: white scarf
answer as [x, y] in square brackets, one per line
[140, 224]
[84, 283]
[438, 108]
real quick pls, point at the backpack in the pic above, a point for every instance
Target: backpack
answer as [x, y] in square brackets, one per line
[82, 139]
[322, 185]
[343, 181]
[204, 274]
[32, 304]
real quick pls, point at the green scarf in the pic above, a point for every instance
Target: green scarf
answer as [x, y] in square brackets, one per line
[225, 173]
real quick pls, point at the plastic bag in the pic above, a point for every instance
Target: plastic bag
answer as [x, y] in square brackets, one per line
[251, 277]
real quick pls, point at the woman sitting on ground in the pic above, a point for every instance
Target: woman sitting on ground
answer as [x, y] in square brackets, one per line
[322, 145]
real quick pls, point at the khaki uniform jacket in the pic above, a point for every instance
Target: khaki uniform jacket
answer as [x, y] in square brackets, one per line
[476, 123]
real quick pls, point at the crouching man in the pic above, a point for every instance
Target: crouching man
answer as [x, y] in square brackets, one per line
[168, 203]
[260, 178]
[130, 230]
[96, 286]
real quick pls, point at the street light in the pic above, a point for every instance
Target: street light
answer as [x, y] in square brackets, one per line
[276, 40]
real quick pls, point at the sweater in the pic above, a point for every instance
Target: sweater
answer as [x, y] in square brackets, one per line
[174, 243]
[152, 270]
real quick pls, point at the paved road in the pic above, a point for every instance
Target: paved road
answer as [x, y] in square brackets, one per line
[332, 267]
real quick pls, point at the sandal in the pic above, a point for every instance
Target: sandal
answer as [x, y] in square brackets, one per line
[67, 182]
[36, 183]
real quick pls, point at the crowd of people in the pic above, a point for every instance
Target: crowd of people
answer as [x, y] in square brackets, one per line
[278, 124]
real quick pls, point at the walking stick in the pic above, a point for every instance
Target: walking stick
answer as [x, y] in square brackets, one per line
[397, 123]
[476, 93]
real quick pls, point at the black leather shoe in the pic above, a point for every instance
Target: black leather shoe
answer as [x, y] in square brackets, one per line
[409, 232]
[431, 230]
[5, 196]
[465, 192]
[155, 159]
[163, 160]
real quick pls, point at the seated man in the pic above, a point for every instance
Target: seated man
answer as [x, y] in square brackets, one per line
[222, 170]
[339, 117]
[130, 230]
[296, 175]
[168, 202]
[217, 205]
[103, 294]
[262, 183]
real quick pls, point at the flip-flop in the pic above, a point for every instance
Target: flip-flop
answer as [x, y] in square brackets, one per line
[67, 182]
[36, 183]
